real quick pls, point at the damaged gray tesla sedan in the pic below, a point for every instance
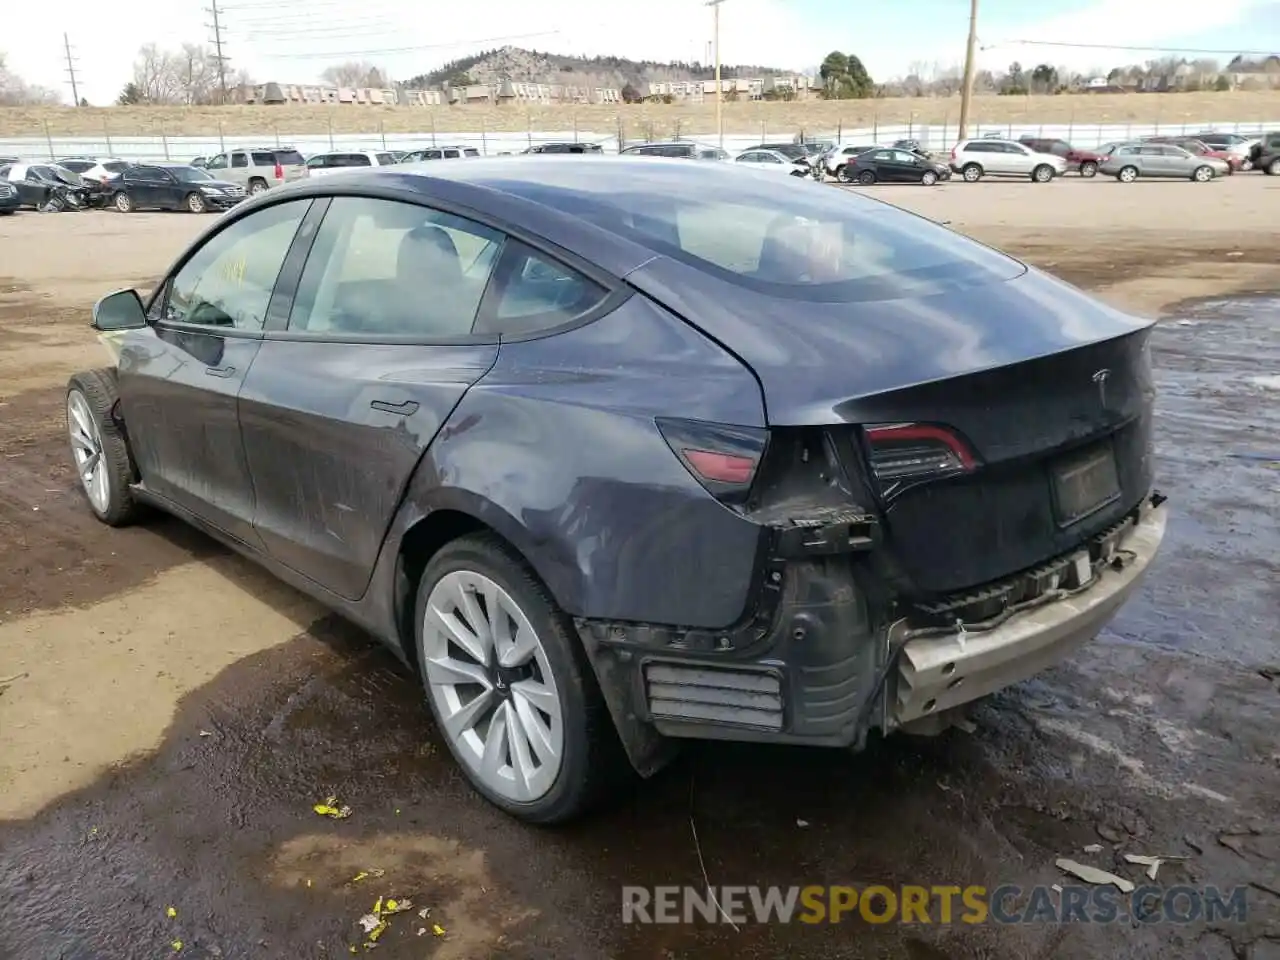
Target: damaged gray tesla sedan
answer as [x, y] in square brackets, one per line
[623, 452]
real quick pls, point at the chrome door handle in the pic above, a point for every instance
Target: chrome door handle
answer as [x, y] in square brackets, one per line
[220, 371]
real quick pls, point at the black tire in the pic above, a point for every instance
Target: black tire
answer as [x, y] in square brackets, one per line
[123, 202]
[1202, 174]
[929, 178]
[195, 202]
[1127, 174]
[971, 173]
[1088, 169]
[867, 178]
[593, 760]
[800, 173]
[7, 213]
[1273, 168]
[98, 388]
[1042, 174]
[256, 186]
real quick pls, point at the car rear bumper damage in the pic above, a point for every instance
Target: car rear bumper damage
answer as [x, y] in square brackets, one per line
[828, 652]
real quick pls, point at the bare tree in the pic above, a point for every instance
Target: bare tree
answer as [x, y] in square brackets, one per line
[354, 74]
[947, 80]
[16, 92]
[187, 76]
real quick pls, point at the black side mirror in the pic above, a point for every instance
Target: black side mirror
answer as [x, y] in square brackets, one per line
[121, 310]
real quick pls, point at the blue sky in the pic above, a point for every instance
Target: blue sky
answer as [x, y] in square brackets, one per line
[293, 40]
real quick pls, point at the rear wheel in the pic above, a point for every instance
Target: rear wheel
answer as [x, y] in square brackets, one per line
[1042, 173]
[972, 173]
[843, 175]
[123, 202]
[195, 203]
[509, 685]
[1088, 169]
[99, 450]
[929, 178]
[866, 178]
[257, 186]
[1127, 174]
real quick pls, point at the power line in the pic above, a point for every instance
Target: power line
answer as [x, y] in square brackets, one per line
[216, 26]
[1120, 46]
[71, 70]
[349, 54]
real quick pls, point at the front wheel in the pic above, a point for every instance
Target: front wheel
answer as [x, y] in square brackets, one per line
[1127, 174]
[1273, 168]
[1088, 169]
[866, 178]
[123, 202]
[1202, 174]
[195, 203]
[929, 178]
[972, 173]
[99, 450]
[1042, 173]
[509, 684]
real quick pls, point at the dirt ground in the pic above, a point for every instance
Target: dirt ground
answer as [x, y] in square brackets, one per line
[1256, 108]
[168, 713]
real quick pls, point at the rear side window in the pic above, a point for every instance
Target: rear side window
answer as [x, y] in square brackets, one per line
[78, 166]
[537, 293]
[114, 166]
[262, 158]
[451, 154]
[471, 152]
[385, 159]
[288, 158]
[386, 268]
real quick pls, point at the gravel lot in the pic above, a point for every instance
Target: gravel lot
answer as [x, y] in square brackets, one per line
[176, 712]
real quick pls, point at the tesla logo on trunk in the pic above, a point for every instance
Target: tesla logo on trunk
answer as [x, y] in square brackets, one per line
[1100, 378]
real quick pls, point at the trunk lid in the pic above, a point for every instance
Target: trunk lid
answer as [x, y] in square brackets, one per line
[1049, 390]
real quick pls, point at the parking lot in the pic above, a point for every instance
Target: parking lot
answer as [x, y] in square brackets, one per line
[169, 714]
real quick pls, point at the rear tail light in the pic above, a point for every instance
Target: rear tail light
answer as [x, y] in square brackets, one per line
[722, 457]
[910, 452]
[953, 152]
[279, 171]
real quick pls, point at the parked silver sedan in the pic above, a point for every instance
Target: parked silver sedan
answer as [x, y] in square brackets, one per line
[1130, 161]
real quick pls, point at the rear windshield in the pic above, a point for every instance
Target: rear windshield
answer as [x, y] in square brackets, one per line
[282, 157]
[780, 238]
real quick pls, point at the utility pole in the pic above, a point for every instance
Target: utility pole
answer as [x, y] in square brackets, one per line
[216, 26]
[71, 71]
[966, 92]
[715, 6]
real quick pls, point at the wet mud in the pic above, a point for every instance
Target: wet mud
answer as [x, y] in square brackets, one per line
[1158, 739]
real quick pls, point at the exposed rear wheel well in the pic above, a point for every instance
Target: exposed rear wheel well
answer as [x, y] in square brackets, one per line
[422, 542]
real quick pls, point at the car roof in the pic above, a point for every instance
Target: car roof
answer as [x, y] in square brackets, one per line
[538, 196]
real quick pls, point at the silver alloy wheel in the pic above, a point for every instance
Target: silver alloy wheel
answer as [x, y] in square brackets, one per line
[929, 178]
[1203, 174]
[972, 173]
[492, 686]
[1043, 174]
[256, 188]
[195, 203]
[1128, 175]
[123, 202]
[86, 445]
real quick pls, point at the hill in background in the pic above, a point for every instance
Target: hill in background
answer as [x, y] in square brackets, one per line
[530, 66]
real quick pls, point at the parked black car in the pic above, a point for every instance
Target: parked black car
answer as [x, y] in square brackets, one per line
[1265, 154]
[624, 453]
[10, 202]
[171, 186]
[883, 165]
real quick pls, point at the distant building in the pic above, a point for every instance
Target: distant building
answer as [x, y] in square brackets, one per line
[277, 93]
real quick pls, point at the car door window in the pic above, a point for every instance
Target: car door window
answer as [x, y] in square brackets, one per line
[536, 293]
[318, 162]
[217, 163]
[385, 159]
[229, 280]
[382, 267]
[901, 156]
[239, 160]
[882, 155]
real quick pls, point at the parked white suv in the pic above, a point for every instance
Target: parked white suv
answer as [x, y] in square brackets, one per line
[345, 161]
[986, 156]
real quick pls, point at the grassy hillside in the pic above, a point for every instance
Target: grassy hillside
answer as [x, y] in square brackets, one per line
[641, 120]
